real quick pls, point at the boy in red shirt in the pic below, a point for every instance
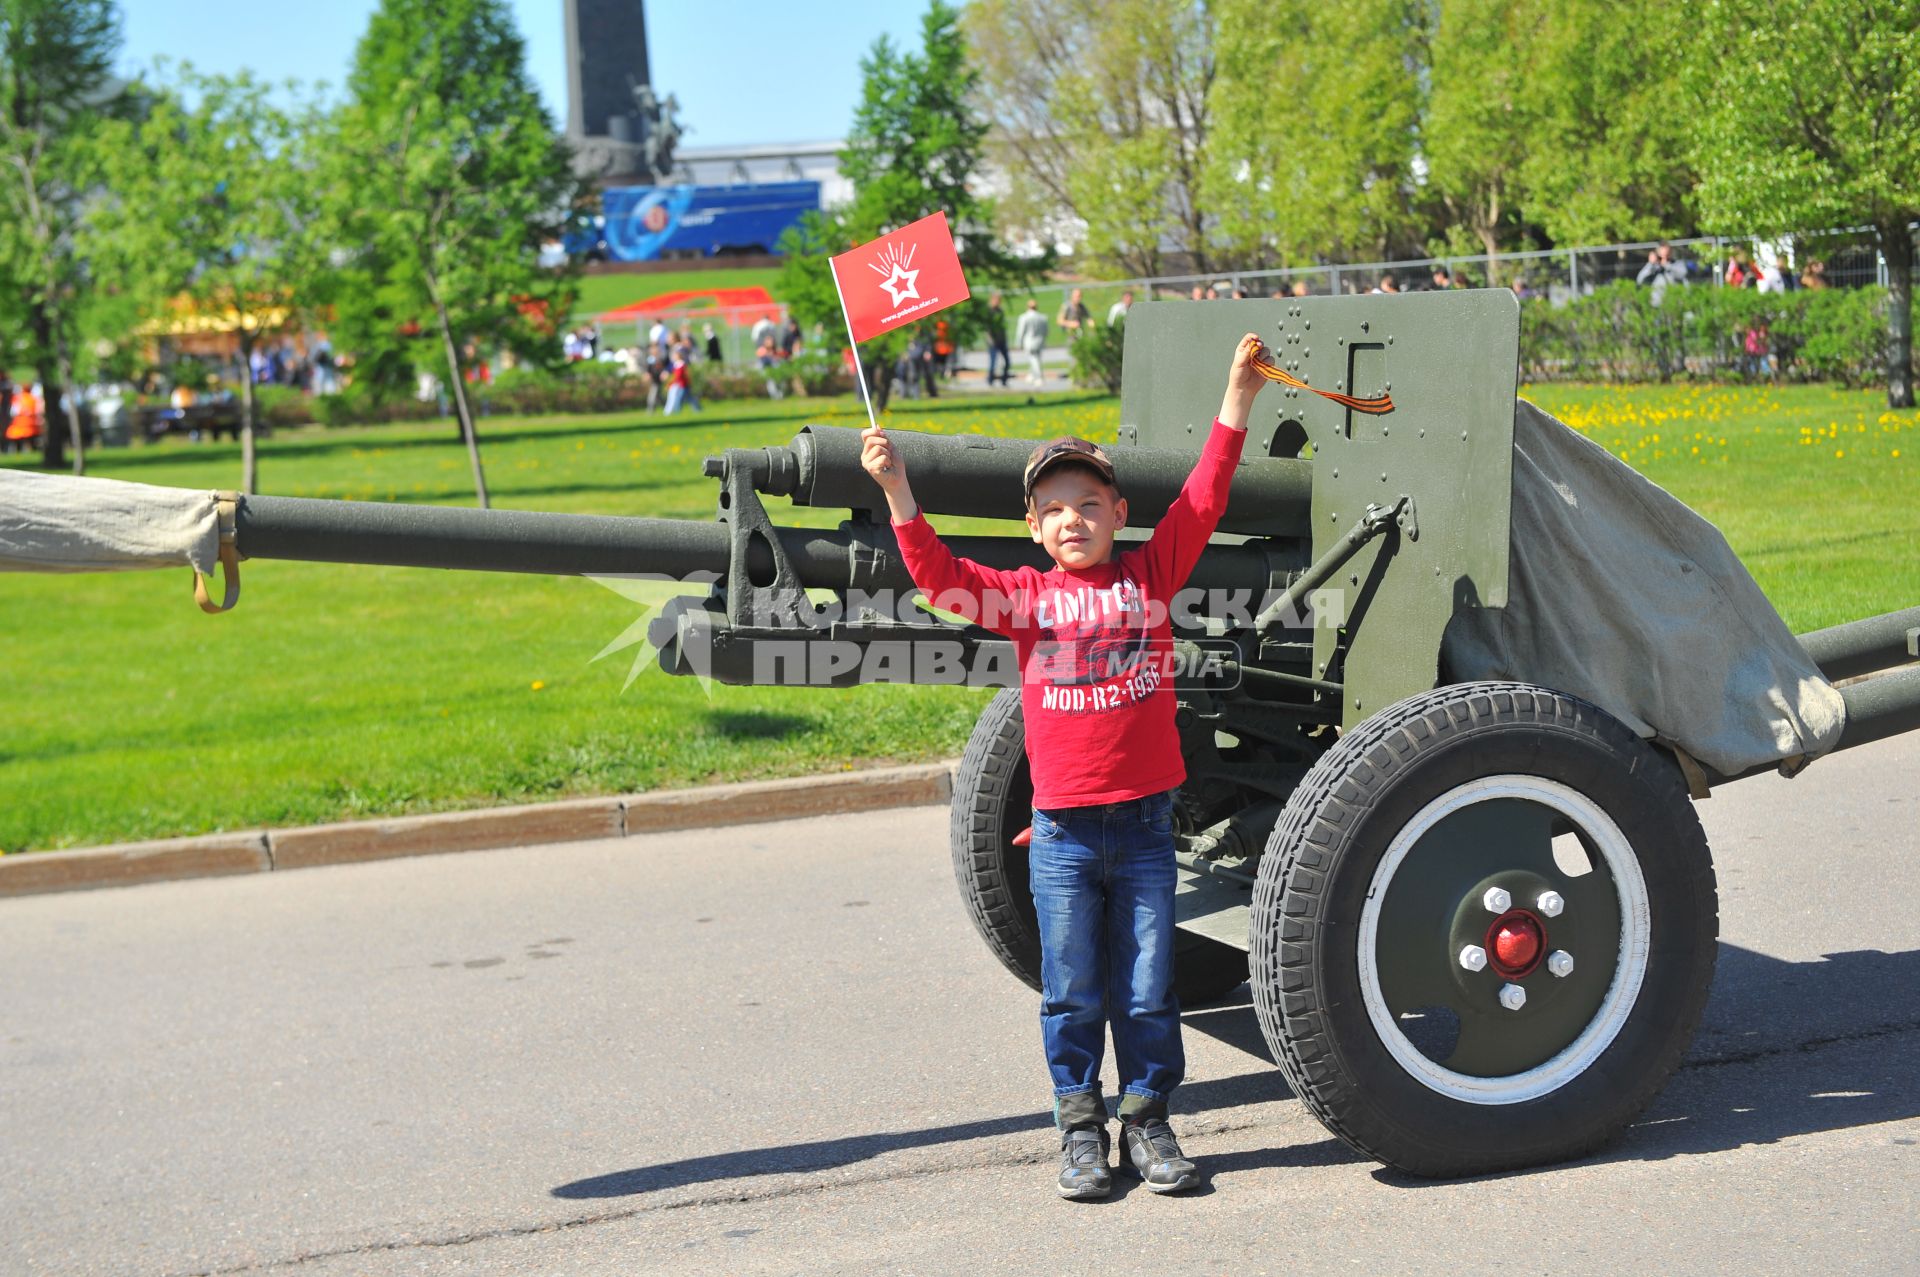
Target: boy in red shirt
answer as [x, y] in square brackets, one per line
[1094, 646]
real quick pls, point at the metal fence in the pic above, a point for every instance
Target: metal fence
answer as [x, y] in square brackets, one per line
[1558, 274]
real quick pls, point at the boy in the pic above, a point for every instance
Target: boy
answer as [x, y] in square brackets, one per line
[1093, 642]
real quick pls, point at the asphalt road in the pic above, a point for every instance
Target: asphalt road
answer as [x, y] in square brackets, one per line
[780, 1048]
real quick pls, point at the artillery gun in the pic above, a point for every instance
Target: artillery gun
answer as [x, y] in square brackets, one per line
[1479, 916]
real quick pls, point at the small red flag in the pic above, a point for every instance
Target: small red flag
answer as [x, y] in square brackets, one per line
[899, 278]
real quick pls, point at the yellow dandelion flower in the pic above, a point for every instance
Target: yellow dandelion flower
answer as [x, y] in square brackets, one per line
[539, 684]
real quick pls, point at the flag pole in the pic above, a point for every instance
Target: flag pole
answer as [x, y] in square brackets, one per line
[860, 370]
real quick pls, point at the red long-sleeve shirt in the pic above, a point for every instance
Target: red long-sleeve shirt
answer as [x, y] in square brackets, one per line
[1094, 646]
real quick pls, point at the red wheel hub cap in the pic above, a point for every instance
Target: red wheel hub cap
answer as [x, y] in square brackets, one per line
[1516, 942]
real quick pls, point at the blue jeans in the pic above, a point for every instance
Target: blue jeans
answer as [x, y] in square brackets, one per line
[1102, 880]
[997, 357]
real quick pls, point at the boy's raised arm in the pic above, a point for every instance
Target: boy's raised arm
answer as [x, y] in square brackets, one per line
[1243, 383]
[987, 595]
[1182, 534]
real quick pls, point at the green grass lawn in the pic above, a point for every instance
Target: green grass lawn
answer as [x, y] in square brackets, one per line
[338, 691]
[601, 293]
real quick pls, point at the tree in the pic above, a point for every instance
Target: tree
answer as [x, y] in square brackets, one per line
[1609, 157]
[1821, 129]
[1102, 113]
[913, 150]
[1315, 125]
[56, 58]
[1481, 117]
[444, 176]
[214, 204]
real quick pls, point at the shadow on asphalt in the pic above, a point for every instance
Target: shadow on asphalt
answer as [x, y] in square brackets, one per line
[822, 1155]
[1786, 1049]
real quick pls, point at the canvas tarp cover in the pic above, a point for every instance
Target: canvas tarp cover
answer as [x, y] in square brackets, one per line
[1621, 595]
[60, 523]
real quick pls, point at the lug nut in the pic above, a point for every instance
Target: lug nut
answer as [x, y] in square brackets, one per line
[1473, 958]
[1497, 900]
[1550, 904]
[1560, 963]
[1512, 997]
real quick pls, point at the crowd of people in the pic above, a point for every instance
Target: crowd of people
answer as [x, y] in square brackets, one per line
[1774, 274]
[667, 354]
[284, 363]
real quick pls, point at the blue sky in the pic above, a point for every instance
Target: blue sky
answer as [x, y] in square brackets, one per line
[744, 70]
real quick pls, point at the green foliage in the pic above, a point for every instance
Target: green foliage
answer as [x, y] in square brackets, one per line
[583, 387]
[56, 60]
[369, 403]
[1097, 356]
[210, 198]
[1835, 334]
[1256, 133]
[806, 279]
[1824, 130]
[444, 174]
[282, 405]
[1103, 116]
[816, 373]
[1334, 77]
[1608, 156]
[1481, 113]
[586, 386]
[1617, 334]
[913, 150]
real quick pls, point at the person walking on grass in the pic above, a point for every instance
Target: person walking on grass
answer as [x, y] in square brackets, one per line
[680, 383]
[1031, 334]
[1095, 651]
[997, 356]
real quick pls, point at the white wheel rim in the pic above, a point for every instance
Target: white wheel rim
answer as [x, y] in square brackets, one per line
[1630, 888]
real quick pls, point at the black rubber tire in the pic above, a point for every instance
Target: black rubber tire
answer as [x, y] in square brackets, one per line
[1319, 867]
[992, 802]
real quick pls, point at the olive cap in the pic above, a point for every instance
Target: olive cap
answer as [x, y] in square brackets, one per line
[1068, 448]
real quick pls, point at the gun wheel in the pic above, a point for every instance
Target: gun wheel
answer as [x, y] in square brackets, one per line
[992, 804]
[1484, 930]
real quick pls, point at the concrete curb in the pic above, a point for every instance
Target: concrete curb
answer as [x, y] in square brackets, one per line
[573, 820]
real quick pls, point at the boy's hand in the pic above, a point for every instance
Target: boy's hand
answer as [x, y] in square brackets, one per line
[1243, 382]
[879, 458]
[1242, 376]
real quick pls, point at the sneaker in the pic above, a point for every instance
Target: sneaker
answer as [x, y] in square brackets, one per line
[1154, 1155]
[1084, 1174]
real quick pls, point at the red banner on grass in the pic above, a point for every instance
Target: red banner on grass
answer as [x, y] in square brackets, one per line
[899, 278]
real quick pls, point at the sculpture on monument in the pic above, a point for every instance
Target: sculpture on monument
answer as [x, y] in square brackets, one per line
[659, 132]
[622, 132]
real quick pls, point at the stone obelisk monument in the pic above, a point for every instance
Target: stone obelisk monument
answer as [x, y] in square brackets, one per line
[622, 133]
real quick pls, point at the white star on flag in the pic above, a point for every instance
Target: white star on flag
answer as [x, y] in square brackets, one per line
[902, 284]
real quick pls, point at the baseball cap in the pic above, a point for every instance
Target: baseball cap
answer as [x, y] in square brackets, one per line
[1068, 448]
